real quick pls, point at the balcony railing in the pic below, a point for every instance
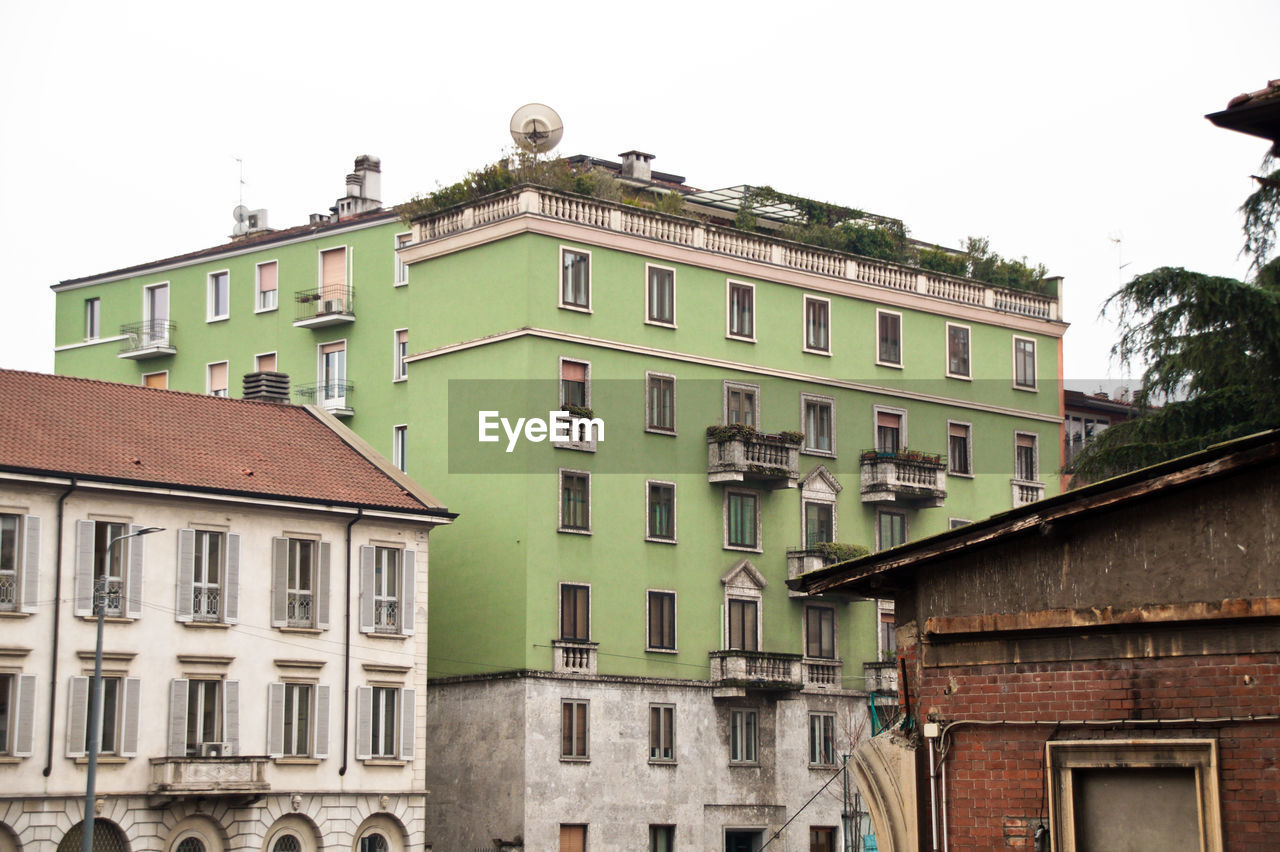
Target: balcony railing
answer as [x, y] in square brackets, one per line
[690, 233]
[334, 397]
[386, 616]
[148, 339]
[881, 676]
[574, 656]
[756, 670]
[823, 674]
[736, 455]
[324, 306]
[298, 611]
[8, 591]
[1026, 491]
[204, 603]
[209, 776]
[903, 477]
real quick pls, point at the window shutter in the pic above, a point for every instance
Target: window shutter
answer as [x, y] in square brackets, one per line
[279, 582]
[231, 583]
[31, 565]
[77, 716]
[267, 276]
[333, 272]
[231, 715]
[407, 723]
[24, 730]
[364, 719]
[186, 573]
[573, 371]
[366, 589]
[178, 717]
[892, 421]
[321, 727]
[407, 608]
[84, 568]
[132, 699]
[133, 600]
[275, 719]
[322, 588]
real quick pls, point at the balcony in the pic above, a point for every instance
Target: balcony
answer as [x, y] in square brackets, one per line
[573, 656]
[148, 339]
[1026, 491]
[906, 476]
[734, 672]
[333, 397]
[324, 307]
[209, 776]
[823, 674]
[741, 454]
[881, 676]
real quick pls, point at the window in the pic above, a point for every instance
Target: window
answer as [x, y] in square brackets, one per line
[219, 295]
[17, 713]
[822, 839]
[574, 731]
[204, 714]
[333, 374]
[384, 589]
[662, 621]
[573, 384]
[742, 311]
[400, 446]
[742, 736]
[575, 279]
[744, 625]
[662, 733]
[741, 404]
[116, 574]
[741, 520]
[373, 842]
[118, 720]
[9, 562]
[662, 838]
[382, 721]
[958, 351]
[819, 523]
[265, 363]
[660, 295]
[8, 705]
[92, 318]
[1081, 430]
[891, 529]
[888, 635]
[217, 379]
[819, 432]
[206, 577]
[268, 286]
[959, 449]
[156, 381]
[400, 371]
[1025, 461]
[817, 325]
[662, 512]
[575, 501]
[575, 612]
[889, 431]
[822, 739]
[294, 583]
[1024, 363]
[333, 280]
[108, 577]
[573, 838]
[402, 268]
[385, 722]
[19, 562]
[296, 723]
[889, 334]
[820, 632]
[109, 720]
[660, 404]
[155, 316]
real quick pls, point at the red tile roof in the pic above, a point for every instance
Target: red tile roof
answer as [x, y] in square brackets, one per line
[123, 433]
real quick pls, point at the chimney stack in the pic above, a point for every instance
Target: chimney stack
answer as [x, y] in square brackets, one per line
[636, 164]
[364, 188]
[265, 386]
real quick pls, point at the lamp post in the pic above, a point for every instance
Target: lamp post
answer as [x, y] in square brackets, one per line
[95, 703]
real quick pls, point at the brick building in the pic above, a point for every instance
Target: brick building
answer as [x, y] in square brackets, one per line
[1100, 670]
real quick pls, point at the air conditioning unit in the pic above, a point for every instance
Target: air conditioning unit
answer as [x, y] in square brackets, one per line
[213, 750]
[333, 306]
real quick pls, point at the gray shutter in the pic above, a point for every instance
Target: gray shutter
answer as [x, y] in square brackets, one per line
[366, 589]
[231, 581]
[132, 699]
[408, 610]
[25, 729]
[322, 588]
[133, 600]
[408, 723]
[178, 717]
[364, 722]
[77, 716]
[84, 568]
[186, 574]
[31, 565]
[279, 582]
[231, 716]
[321, 726]
[275, 719]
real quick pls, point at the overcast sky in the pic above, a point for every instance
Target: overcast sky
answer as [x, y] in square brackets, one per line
[1052, 129]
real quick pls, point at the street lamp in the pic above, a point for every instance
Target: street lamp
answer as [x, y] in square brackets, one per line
[95, 703]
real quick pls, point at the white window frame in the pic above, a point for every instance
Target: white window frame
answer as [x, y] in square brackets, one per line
[143, 378]
[819, 399]
[401, 273]
[647, 305]
[675, 633]
[323, 380]
[560, 282]
[400, 446]
[1035, 455]
[220, 586]
[290, 749]
[220, 722]
[208, 378]
[93, 318]
[258, 306]
[666, 719]
[1034, 387]
[744, 720]
[399, 366]
[161, 338]
[385, 744]
[211, 314]
[294, 589]
[759, 548]
[560, 527]
[25, 576]
[728, 386]
[968, 427]
[573, 756]
[804, 325]
[384, 596]
[649, 376]
[648, 485]
[729, 284]
[946, 351]
[902, 345]
[257, 361]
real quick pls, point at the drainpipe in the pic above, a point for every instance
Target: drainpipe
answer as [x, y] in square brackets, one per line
[57, 610]
[346, 648]
[931, 732]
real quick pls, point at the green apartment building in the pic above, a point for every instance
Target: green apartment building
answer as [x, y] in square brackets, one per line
[615, 657]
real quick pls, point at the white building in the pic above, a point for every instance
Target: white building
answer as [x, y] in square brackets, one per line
[264, 657]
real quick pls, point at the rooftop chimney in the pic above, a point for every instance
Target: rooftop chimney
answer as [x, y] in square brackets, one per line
[636, 164]
[265, 386]
[364, 188]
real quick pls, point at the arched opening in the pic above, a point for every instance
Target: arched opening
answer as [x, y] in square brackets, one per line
[292, 833]
[107, 837]
[8, 839]
[380, 833]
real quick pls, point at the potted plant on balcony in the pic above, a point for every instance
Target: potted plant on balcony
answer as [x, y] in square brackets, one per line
[839, 551]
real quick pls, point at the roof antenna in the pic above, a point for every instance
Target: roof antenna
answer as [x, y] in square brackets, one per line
[240, 162]
[1118, 239]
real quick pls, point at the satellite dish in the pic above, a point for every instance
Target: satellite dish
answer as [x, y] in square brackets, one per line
[536, 128]
[241, 215]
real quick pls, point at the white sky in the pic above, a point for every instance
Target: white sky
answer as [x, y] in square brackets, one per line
[1048, 130]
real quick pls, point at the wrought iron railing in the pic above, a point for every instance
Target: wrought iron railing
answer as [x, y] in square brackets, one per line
[323, 302]
[298, 610]
[8, 590]
[386, 616]
[148, 334]
[204, 603]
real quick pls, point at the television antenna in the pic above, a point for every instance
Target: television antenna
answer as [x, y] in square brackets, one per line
[536, 128]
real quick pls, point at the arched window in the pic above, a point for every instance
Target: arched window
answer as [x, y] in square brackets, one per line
[287, 843]
[107, 837]
[373, 842]
[190, 844]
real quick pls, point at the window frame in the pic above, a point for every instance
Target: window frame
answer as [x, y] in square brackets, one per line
[807, 399]
[211, 294]
[729, 387]
[901, 413]
[967, 473]
[324, 380]
[258, 302]
[208, 378]
[957, 523]
[756, 606]
[257, 362]
[648, 293]
[834, 631]
[143, 378]
[806, 345]
[758, 545]
[586, 390]
[1035, 456]
[195, 710]
[650, 377]
[24, 545]
[805, 503]
[102, 564]
[1034, 386]
[730, 285]
[561, 280]
[561, 526]
[649, 598]
[400, 272]
[649, 485]
[384, 740]
[569, 729]
[890, 512]
[399, 354]
[199, 534]
[822, 740]
[293, 687]
[662, 728]
[880, 361]
[968, 352]
[93, 318]
[744, 736]
[400, 446]
[395, 595]
[293, 588]
[578, 588]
